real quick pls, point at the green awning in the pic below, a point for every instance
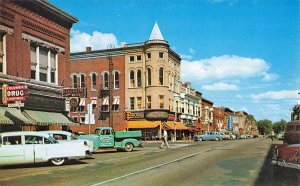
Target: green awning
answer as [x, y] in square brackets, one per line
[48, 118]
[10, 116]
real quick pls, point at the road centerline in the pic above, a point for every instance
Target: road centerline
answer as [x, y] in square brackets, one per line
[150, 168]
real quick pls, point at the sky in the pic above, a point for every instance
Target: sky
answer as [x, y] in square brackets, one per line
[240, 54]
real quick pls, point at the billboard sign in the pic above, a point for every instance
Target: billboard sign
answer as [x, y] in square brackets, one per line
[73, 92]
[230, 123]
[14, 93]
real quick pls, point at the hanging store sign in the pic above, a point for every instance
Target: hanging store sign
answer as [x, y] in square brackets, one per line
[14, 93]
[74, 92]
[157, 115]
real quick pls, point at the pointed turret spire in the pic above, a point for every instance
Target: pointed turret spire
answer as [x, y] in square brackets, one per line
[156, 34]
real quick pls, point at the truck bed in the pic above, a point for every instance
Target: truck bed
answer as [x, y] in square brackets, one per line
[128, 134]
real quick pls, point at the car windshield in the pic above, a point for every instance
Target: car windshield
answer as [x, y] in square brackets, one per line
[53, 139]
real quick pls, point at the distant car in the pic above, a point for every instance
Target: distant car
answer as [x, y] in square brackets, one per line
[280, 136]
[243, 136]
[249, 136]
[209, 136]
[288, 153]
[64, 136]
[33, 147]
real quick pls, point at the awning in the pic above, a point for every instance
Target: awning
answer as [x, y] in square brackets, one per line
[143, 124]
[116, 101]
[10, 116]
[48, 118]
[94, 102]
[105, 101]
[82, 102]
[178, 125]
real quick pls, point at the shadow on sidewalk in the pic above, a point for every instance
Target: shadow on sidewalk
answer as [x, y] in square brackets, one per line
[276, 175]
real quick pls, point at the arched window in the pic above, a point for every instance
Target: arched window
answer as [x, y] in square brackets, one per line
[161, 76]
[105, 80]
[94, 81]
[74, 81]
[139, 78]
[132, 79]
[117, 80]
[149, 77]
[82, 83]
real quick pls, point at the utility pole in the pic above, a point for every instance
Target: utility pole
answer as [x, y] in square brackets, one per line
[110, 86]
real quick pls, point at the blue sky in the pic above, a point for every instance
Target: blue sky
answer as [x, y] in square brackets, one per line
[241, 54]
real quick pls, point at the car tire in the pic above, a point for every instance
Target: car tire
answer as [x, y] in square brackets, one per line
[58, 161]
[128, 147]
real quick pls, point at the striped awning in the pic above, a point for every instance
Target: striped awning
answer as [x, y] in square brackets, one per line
[10, 116]
[48, 118]
[142, 124]
[175, 125]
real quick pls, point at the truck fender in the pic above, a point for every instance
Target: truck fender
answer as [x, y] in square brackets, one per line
[130, 140]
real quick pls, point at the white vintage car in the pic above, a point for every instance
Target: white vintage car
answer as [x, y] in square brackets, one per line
[64, 136]
[32, 147]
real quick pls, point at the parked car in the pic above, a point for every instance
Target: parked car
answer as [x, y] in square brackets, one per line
[280, 136]
[64, 136]
[209, 136]
[287, 154]
[33, 147]
[229, 136]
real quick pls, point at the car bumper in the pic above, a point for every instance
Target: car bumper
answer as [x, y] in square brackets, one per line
[283, 163]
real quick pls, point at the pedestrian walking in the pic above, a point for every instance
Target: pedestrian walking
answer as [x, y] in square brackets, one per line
[272, 135]
[164, 140]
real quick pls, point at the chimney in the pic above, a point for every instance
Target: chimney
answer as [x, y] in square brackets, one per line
[88, 49]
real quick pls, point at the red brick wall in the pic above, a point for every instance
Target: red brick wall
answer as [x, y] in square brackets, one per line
[98, 65]
[18, 50]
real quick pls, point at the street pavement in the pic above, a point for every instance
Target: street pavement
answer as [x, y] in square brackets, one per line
[234, 162]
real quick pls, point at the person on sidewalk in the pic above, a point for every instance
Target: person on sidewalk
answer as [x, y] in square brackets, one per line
[164, 140]
[272, 135]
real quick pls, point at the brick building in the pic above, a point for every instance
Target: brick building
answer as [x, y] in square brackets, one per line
[90, 70]
[207, 115]
[34, 52]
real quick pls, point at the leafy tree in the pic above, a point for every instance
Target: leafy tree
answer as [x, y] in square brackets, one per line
[264, 126]
[279, 126]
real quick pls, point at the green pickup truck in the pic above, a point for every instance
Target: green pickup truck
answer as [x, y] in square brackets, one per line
[105, 138]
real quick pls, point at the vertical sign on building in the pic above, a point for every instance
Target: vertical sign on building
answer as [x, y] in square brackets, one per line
[230, 123]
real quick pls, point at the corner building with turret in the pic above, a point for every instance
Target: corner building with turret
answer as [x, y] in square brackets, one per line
[148, 78]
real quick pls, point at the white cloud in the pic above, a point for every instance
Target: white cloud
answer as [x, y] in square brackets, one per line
[225, 67]
[276, 95]
[192, 51]
[81, 40]
[220, 87]
[186, 56]
[238, 96]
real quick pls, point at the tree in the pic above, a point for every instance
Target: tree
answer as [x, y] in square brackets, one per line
[279, 126]
[264, 126]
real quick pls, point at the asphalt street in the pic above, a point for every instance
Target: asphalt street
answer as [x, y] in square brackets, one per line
[234, 162]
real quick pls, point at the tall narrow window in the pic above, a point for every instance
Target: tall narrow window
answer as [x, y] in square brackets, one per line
[74, 81]
[161, 76]
[161, 102]
[139, 102]
[148, 102]
[33, 62]
[139, 78]
[82, 81]
[149, 77]
[132, 103]
[1, 52]
[149, 55]
[161, 55]
[94, 81]
[117, 80]
[105, 80]
[132, 78]
[53, 67]
[43, 64]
